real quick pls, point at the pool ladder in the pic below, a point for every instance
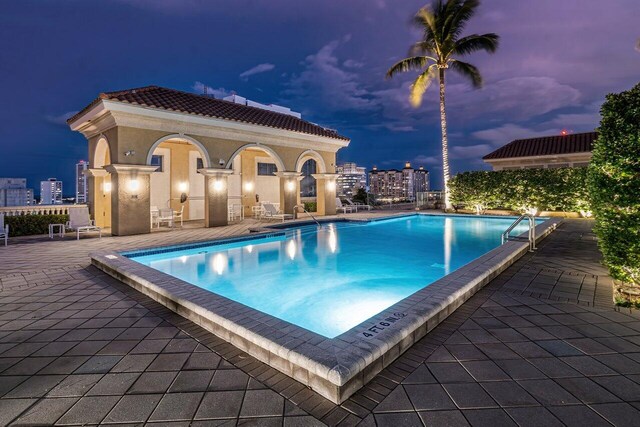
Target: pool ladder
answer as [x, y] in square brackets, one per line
[532, 230]
[295, 211]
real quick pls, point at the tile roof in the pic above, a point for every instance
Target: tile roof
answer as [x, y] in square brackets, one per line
[202, 105]
[546, 146]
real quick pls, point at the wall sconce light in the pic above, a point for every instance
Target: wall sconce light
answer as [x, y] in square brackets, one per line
[218, 185]
[129, 153]
[106, 187]
[291, 185]
[331, 185]
[183, 187]
[248, 186]
[134, 185]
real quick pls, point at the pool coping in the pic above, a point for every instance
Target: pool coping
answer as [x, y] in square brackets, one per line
[333, 367]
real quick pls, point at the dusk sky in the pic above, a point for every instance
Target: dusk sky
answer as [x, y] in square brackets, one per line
[326, 59]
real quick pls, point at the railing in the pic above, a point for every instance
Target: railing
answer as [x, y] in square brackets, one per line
[295, 211]
[531, 234]
[38, 210]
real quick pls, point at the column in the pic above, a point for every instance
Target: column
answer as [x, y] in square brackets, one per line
[99, 196]
[130, 202]
[326, 190]
[289, 190]
[216, 195]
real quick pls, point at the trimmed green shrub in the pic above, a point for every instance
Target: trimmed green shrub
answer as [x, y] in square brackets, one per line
[561, 189]
[310, 206]
[614, 185]
[28, 225]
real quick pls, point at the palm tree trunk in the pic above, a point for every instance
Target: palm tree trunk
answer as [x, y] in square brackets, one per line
[445, 142]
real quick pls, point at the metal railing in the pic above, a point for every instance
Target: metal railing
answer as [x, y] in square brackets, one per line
[295, 212]
[531, 233]
[38, 210]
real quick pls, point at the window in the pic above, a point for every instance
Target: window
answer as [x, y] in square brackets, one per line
[199, 163]
[158, 160]
[268, 169]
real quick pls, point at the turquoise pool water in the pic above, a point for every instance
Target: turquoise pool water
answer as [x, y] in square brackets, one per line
[332, 278]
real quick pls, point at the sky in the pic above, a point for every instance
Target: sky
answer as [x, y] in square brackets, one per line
[325, 58]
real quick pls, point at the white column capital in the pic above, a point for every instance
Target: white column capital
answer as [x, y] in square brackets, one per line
[327, 176]
[95, 172]
[215, 172]
[130, 169]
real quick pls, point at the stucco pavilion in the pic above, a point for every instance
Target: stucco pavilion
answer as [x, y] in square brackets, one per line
[149, 146]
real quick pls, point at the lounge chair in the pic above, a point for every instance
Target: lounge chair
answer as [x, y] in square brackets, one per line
[270, 212]
[165, 215]
[340, 206]
[4, 230]
[80, 222]
[357, 205]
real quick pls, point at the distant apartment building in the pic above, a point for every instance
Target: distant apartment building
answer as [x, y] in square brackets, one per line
[567, 150]
[81, 182]
[398, 184]
[308, 182]
[14, 192]
[51, 192]
[351, 177]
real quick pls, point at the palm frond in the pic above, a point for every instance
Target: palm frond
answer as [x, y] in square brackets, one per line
[475, 42]
[421, 84]
[458, 16]
[469, 71]
[408, 64]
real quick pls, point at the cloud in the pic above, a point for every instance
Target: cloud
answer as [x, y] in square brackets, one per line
[200, 88]
[323, 81]
[60, 119]
[424, 160]
[508, 132]
[260, 68]
[352, 63]
[470, 151]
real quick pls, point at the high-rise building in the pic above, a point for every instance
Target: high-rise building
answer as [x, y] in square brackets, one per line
[14, 192]
[398, 184]
[51, 192]
[308, 182]
[351, 177]
[81, 182]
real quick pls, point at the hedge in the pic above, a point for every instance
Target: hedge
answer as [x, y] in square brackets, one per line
[561, 189]
[27, 225]
[614, 185]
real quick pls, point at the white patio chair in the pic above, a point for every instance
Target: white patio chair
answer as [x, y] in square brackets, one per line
[340, 206]
[155, 213]
[4, 230]
[165, 216]
[235, 212]
[356, 205]
[179, 215]
[271, 212]
[80, 222]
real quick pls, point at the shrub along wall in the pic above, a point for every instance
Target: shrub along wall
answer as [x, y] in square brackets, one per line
[614, 185]
[27, 225]
[560, 189]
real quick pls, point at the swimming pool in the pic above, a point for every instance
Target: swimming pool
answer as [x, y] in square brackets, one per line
[331, 278]
[333, 306]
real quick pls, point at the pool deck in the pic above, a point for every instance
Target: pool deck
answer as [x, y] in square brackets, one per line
[540, 345]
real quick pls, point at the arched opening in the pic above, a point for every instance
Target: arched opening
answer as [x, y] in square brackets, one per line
[309, 163]
[254, 179]
[176, 183]
[100, 196]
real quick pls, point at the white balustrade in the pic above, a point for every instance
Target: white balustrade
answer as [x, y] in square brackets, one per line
[38, 210]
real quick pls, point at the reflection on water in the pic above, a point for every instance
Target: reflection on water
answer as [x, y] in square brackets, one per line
[333, 278]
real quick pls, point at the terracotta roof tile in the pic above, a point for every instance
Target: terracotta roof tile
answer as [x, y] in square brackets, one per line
[546, 146]
[202, 105]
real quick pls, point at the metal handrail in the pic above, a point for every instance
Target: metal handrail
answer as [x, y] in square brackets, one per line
[295, 210]
[531, 233]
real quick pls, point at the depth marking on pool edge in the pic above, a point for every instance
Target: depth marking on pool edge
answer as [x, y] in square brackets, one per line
[381, 326]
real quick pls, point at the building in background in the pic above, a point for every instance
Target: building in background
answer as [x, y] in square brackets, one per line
[51, 192]
[351, 177]
[81, 182]
[394, 184]
[567, 150]
[14, 192]
[308, 182]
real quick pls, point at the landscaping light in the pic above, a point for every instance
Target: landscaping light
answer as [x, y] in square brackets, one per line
[183, 187]
[134, 185]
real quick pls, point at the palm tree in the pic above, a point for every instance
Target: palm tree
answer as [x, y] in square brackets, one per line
[442, 23]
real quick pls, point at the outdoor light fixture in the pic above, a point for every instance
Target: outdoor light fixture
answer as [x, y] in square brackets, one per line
[248, 186]
[183, 187]
[106, 187]
[129, 153]
[291, 185]
[134, 185]
[218, 185]
[331, 185]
